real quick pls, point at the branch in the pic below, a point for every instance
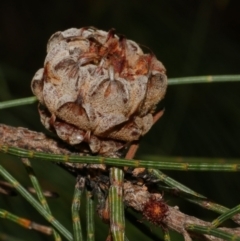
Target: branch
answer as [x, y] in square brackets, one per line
[135, 196]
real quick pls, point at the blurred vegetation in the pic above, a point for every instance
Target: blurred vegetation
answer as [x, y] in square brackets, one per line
[191, 37]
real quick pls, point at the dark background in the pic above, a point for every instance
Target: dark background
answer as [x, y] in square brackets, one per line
[191, 38]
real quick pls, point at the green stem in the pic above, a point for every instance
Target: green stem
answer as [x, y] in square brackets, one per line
[166, 163]
[226, 215]
[116, 206]
[173, 183]
[76, 204]
[28, 224]
[90, 217]
[8, 177]
[203, 79]
[17, 102]
[39, 192]
[213, 231]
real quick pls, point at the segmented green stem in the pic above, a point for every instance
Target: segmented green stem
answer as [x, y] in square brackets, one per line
[25, 222]
[226, 215]
[213, 231]
[90, 217]
[17, 102]
[76, 204]
[116, 206]
[173, 183]
[8, 177]
[215, 207]
[203, 79]
[39, 192]
[166, 163]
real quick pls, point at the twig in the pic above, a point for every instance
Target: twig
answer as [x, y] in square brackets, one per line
[135, 196]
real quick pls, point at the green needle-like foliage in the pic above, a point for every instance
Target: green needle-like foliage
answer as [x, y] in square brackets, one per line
[8, 177]
[165, 163]
[116, 206]
[173, 183]
[203, 79]
[20, 221]
[39, 192]
[225, 216]
[18, 102]
[76, 204]
[212, 231]
[90, 216]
